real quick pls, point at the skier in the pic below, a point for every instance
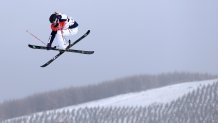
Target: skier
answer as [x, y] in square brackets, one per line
[61, 25]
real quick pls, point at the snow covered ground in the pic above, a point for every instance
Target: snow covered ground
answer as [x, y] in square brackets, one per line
[154, 96]
[161, 95]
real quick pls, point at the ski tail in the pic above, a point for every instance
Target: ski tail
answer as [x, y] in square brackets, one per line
[51, 60]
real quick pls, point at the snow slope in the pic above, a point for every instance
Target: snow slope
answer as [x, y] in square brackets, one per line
[154, 96]
[161, 95]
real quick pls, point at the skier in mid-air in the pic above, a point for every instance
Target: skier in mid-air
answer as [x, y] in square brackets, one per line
[61, 25]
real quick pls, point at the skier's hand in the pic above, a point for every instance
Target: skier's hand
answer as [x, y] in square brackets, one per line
[48, 46]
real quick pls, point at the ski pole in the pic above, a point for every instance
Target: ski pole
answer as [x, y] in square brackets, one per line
[35, 37]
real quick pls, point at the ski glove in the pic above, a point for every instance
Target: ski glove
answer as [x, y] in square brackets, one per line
[48, 46]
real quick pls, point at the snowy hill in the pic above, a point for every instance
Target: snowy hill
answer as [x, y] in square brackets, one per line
[192, 100]
[145, 98]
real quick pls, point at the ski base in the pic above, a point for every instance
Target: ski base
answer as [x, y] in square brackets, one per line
[61, 50]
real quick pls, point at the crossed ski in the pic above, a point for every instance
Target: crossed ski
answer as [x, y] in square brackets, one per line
[62, 51]
[65, 50]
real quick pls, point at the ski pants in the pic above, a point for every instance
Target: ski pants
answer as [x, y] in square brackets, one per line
[62, 34]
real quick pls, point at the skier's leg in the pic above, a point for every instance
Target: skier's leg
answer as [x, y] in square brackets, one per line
[60, 40]
[62, 44]
[68, 33]
[74, 31]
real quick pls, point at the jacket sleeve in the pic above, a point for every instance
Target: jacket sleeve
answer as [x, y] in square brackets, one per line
[52, 36]
[75, 24]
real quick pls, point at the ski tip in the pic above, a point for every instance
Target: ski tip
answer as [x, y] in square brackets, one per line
[43, 66]
[29, 45]
[88, 31]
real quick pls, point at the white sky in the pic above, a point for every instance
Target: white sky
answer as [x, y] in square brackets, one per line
[129, 37]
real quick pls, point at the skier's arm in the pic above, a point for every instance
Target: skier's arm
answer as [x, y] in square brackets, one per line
[75, 24]
[51, 38]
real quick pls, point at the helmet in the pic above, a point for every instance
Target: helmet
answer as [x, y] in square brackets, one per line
[52, 18]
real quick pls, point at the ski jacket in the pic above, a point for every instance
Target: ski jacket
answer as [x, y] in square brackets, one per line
[65, 22]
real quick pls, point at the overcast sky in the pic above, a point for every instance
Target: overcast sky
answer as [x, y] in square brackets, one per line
[130, 37]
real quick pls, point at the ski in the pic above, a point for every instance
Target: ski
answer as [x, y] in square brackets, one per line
[56, 49]
[61, 52]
